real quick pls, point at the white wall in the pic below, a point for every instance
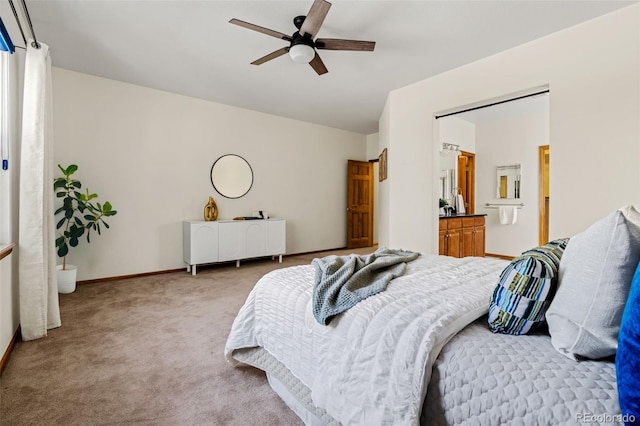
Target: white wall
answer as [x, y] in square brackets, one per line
[150, 153]
[456, 131]
[372, 153]
[384, 225]
[510, 140]
[592, 72]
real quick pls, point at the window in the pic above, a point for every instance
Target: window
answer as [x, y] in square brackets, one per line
[9, 168]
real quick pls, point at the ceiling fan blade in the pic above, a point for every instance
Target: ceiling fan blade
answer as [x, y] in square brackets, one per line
[271, 56]
[260, 29]
[318, 66]
[315, 18]
[340, 44]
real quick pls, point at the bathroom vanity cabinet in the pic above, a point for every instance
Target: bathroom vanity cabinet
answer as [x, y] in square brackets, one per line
[462, 235]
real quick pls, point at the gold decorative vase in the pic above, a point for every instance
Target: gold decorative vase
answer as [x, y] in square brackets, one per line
[210, 210]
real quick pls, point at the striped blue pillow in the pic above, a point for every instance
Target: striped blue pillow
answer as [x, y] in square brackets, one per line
[525, 289]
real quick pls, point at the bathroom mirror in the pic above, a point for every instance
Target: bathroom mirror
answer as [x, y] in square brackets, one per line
[447, 184]
[508, 183]
[231, 176]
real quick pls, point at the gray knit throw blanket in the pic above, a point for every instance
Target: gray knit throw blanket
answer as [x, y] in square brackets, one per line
[343, 281]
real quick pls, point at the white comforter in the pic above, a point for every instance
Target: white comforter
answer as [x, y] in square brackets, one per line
[370, 365]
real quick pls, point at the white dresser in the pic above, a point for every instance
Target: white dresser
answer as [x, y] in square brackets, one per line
[225, 240]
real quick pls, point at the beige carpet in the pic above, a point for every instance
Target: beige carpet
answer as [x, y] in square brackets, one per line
[145, 351]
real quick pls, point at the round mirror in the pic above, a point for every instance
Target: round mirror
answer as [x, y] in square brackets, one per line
[231, 176]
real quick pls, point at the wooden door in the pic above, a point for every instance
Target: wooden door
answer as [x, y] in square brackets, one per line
[478, 243]
[454, 242]
[359, 204]
[466, 180]
[468, 241]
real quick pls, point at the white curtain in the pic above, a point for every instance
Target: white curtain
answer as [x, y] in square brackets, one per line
[39, 309]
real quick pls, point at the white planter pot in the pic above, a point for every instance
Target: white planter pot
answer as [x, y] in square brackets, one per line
[66, 279]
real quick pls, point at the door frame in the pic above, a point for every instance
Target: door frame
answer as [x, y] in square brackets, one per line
[470, 179]
[543, 180]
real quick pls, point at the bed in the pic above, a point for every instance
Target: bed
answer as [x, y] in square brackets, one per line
[419, 352]
[485, 378]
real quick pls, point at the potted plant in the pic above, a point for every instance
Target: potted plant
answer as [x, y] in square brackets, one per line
[81, 213]
[443, 204]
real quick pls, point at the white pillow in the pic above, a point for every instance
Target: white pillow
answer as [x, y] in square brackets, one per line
[595, 275]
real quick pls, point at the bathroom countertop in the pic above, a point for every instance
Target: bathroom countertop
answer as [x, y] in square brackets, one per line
[462, 215]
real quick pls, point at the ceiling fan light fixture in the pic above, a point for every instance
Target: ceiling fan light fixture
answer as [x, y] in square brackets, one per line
[302, 53]
[303, 43]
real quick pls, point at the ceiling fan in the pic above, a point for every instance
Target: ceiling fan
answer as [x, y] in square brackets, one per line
[302, 46]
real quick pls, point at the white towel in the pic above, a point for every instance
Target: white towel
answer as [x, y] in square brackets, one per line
[460, 204]
[508, 215]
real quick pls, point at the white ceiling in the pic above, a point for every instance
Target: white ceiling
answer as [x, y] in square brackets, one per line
[189, 48]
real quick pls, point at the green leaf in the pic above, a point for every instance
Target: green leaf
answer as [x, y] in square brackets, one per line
[76, 183]
[107, 207]
[111, 213]
[68, 214]
[78, 221]
[73, 242]
[99, 229]
[75, 231]
[89, 217]
[63, 250]
[70, 170]
[60, 194]
[61, 222]
[105, 224]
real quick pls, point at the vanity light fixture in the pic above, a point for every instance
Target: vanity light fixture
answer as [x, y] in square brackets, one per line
[450, 147]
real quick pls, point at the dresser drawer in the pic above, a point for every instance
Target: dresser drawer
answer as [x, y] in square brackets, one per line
[468, 222]
[454, 223]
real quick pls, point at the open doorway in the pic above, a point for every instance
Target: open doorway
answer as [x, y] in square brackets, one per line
[501, 136]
